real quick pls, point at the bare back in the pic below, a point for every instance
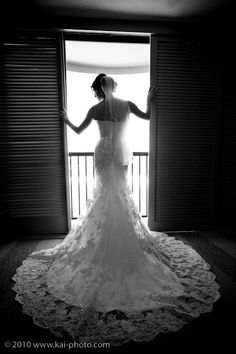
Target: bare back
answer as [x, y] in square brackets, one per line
[120, 110]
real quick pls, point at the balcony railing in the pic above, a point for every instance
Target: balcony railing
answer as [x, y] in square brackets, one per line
[82, 180]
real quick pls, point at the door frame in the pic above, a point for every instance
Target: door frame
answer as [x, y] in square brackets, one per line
[93, 36]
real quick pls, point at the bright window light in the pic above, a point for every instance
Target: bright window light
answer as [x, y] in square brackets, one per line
[132, 87]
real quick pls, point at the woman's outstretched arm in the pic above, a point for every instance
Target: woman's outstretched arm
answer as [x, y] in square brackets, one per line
[82, 126]
[145, 115]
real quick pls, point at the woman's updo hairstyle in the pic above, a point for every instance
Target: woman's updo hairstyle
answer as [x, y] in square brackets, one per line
[101, 82]
[97, 85]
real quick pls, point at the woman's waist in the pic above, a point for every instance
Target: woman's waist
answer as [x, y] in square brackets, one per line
[114, 141]
[111, 137]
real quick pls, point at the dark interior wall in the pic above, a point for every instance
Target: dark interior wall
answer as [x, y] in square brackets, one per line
[227, 175]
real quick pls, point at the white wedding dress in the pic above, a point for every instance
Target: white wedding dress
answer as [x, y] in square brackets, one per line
[111, 279]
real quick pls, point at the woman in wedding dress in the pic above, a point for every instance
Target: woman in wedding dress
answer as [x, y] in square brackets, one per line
[111, 279]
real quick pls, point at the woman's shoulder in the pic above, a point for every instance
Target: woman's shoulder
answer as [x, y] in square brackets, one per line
[95, 108]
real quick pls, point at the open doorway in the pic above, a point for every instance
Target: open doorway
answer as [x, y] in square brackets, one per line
[129, 65]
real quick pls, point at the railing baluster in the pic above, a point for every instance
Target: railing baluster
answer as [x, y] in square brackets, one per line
[132, 174]
[79, 183]
[139, 182]
[146, 186]
[93, 172]
[71, 191]
[86, 178]
[85, 155]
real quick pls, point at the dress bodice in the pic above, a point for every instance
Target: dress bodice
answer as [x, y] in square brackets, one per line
[110, 129]
[112, 117]
[112, 146]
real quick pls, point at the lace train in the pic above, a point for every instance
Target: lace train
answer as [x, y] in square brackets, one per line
[47, 294]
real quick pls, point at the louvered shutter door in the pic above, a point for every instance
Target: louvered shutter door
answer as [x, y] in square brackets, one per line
[228, 153]
[182, 135]
[31, 136]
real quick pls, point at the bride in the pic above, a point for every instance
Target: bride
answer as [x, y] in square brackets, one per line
[111, 279]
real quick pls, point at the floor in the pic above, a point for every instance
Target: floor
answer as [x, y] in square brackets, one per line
[213, 332]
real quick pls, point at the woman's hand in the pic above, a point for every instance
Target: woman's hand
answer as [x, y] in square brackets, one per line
[152, 92]
[63, 116]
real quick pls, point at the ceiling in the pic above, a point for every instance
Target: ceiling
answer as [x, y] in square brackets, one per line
[123, 9]
[114, 58]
